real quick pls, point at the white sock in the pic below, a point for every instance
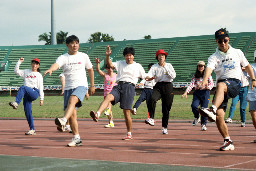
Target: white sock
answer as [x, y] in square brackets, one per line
[129, 133]
[77, 136]
[64, 119]
[111, 122]
[67, 126]
[214, 108]
[98, 113]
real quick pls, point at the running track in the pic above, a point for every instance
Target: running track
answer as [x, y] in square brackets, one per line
[185, 145]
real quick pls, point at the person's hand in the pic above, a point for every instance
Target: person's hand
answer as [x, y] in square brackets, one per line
[203, 85]
[184, 95]
[108, 51]
[48, 72]
[97, 60]
[253, 84]
[21, 60]
[41, 102]
[62, 92]
[92, 90]
[87, 96]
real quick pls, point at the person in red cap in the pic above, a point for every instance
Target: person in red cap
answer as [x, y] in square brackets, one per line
[163, 73]
[33, 87]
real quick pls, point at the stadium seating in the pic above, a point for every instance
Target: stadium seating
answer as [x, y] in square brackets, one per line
[184, 53]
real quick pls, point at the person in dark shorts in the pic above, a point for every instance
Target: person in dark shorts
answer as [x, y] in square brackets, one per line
[226, 62]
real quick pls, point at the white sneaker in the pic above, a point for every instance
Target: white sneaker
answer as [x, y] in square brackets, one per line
[134, 111]
[242, 124]
[31, 132]
[228, 145]
[203, 128]
[14, 105]
[164, 131]
[75, 142]
[209, 113]
[60, 122]
[196, 121]
[228, 120]
[150, 121]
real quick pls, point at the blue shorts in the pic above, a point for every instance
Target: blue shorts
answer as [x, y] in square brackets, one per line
[79, 92]
[252, 105]
[124, 93]
[233, 89]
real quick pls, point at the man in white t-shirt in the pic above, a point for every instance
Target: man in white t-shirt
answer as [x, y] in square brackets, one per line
[226, 63]
[73, 65]
[128, 72]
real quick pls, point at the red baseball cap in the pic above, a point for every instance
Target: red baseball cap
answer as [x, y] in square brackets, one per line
[37, 60]
[161, 51]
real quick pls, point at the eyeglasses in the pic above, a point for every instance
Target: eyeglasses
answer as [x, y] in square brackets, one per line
[221, 41]
[200, 65]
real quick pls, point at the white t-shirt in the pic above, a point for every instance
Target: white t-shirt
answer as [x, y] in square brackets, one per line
[31, 79]
[227, 65]
[162, 74]
[129, 72]
[73, 67]
[251, 96]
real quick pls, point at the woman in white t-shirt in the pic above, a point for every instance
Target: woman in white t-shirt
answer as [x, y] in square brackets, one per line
[33, 87]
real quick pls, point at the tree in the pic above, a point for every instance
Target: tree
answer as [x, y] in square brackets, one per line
[100, 37]
[60, 36]
[147, 37]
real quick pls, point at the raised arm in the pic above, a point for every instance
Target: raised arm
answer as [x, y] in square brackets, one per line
[98, 67]
[17, 68]
[108, 60]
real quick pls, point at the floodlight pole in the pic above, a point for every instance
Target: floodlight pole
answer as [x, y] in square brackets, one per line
[53, 34]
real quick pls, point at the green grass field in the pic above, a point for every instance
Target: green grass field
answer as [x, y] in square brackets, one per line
[53, 107]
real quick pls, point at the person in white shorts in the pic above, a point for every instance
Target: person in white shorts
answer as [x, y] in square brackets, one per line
[226, 63]
[73, 65]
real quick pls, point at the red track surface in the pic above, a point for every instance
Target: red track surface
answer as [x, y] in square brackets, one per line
[185, 144]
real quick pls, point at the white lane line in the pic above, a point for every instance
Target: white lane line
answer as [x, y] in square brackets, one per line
[240, 163]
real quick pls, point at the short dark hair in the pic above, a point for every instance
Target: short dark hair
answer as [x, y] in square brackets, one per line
[128, 50]
[71, 39]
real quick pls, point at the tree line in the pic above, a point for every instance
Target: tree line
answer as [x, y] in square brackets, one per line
[94, 37]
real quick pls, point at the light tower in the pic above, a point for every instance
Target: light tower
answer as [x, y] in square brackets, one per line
[53, 34]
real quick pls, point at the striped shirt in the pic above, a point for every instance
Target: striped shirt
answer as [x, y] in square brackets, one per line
[195, 82]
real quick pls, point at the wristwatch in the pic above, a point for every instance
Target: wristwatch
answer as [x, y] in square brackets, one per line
[253, 79]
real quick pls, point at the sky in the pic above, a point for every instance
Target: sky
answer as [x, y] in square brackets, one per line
[22, 21]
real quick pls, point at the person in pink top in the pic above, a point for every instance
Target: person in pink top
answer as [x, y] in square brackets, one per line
[109, 83]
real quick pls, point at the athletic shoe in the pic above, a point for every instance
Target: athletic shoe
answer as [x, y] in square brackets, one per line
[75, 142]
[150, 121]
[110, 125]
[164, 131]
[196, 120]
[14, 105]
[228, 120]
[203, 128]
[254, 141]
[61, 128]
[228, 145]
[60, 122]
[128, 137]
[31, 132]
[107, 111]
[209, 113]
[134, 111]
[94, 116]
[242, 124]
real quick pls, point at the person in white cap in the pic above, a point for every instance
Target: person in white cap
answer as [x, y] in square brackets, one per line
[201, 95]
[226, 63]
[251, 96]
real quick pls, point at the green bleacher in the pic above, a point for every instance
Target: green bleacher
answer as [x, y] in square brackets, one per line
[184, 53]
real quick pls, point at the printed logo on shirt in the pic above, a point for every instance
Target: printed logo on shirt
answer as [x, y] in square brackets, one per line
[30, 76]
[229, 65]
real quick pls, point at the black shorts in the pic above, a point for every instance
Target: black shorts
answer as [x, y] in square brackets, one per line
[233, 89]
[124, 93]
